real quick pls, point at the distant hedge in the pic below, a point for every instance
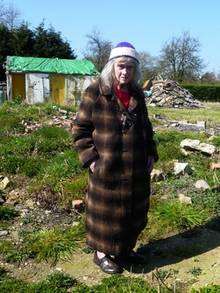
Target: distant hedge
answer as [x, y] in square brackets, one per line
[204, 92]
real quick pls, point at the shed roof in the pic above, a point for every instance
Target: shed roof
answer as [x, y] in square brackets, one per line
[50, 65]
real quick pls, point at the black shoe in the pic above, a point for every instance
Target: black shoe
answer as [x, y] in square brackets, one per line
[133, 257]
[107, 265]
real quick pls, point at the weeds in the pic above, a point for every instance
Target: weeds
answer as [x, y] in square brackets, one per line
[56, 282]
[53, 176]
[172, 216]
[7, 213]
[12, 253]
[195, 271]
[49, 245]
[179, 216]
[207, 289]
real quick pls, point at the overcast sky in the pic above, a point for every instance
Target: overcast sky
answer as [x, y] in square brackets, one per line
[146, 24]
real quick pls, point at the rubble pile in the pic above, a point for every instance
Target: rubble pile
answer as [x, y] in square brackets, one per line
[63, 118]
[168, 93]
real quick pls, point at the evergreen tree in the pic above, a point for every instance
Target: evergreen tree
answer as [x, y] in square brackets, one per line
[22, 41]
[5, 48]
[49, 43]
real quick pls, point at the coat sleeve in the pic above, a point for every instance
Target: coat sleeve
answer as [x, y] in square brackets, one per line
[82, 131]
[152, 148]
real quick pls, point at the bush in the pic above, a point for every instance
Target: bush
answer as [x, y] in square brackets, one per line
[209, 93]
[7, 213]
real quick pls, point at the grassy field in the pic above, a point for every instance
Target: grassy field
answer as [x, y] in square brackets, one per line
[45, 176]
[210, 113]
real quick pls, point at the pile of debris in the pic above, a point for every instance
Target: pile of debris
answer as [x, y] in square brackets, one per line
[168, 93]
[63, 118]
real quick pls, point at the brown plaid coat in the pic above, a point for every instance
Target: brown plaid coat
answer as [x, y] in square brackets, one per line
[117, 201]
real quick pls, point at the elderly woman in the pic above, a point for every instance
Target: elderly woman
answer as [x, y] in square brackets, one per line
[114, 138]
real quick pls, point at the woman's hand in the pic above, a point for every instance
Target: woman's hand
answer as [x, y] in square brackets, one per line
[150, 164]
[92, 166]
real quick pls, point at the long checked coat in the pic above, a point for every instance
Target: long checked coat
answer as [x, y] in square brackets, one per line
[117, 200]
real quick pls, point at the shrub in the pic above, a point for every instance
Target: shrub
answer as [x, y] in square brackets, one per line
[7, 213]
[204, 92]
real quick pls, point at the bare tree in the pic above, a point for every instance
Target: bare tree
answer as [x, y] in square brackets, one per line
[148, 63]
[9, 14]
[208, 77]
[98, 49]
[180, 58]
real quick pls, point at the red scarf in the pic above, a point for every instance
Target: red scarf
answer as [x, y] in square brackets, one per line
[123, 96]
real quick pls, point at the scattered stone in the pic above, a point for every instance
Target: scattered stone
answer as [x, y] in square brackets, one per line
[202, 184]
[3, 233]
[216, 188]
[182, 168]
[157, 175]
[164, 197]
[184, 199]
[58, 269]
[215, 166]
[14, 196]
[4, 183]
[201, 124]
[78, 205]
[20, 207]
[190, 127]
[30, 203]
[189, 144]
[184, 152]
[62, 111]
[24, 213]
[206, 148]
[195, 145]
[211, 138]
[75, 223]
[159, 116]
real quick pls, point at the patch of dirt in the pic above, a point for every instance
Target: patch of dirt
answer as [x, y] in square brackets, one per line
[195, 259]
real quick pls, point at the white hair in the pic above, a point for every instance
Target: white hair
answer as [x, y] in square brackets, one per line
[107, 75]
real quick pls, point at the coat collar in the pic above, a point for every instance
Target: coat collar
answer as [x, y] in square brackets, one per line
[108, 93]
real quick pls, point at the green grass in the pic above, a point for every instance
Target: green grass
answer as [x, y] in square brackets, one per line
[54, 177]
[172, 216]
[49, 245]
[121, 284]
[47, 156]
[56, 282]
[208, 289]
[12, 253]
[7, 213]
[210, 113]
[29, 154]
[75, 187]
[59, 282]
[169, 144]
